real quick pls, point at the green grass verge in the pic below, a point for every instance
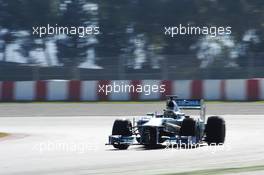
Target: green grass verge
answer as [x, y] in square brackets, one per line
[222, 171]
[2, 134]
[120, 102]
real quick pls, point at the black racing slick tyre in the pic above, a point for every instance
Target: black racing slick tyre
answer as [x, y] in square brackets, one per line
[188, 127]
[122, 127]
[215, 130]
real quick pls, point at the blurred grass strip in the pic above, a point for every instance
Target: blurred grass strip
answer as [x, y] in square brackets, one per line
[222, 171]
[2, 134]
[121, 102]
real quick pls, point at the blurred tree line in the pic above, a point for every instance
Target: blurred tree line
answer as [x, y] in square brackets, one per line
[133, 30]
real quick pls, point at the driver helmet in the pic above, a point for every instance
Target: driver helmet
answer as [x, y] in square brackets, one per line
[171, 105]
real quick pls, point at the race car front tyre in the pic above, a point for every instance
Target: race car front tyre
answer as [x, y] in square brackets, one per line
[188, 127]
[215, 130]
[122, 127]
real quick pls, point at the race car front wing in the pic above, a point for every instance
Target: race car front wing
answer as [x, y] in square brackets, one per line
[131, 140]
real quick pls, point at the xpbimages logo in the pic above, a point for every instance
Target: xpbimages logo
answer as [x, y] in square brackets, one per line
[50, 30]
[129, 88]
[188, 29]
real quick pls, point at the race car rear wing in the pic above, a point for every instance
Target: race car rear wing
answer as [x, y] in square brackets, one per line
[189, 103]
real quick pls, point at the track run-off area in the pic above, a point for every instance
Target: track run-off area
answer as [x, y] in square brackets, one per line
[69, 139]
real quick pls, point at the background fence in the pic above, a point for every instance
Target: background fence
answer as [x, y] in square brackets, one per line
[176, 67]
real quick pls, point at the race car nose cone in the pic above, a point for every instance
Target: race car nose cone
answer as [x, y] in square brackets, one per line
[156, 122]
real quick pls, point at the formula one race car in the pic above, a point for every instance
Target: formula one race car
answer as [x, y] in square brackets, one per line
[171, 127]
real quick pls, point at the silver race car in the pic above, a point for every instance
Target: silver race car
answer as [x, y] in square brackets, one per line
[171, 127]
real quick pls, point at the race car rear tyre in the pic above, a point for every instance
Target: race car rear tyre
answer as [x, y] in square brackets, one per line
[122, 127]
[215, 130]
[188, 127]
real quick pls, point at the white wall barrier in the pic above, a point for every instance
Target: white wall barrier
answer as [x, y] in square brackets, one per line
[134, 90]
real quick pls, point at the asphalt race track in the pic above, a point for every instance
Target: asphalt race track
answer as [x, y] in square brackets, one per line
[68, 139]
